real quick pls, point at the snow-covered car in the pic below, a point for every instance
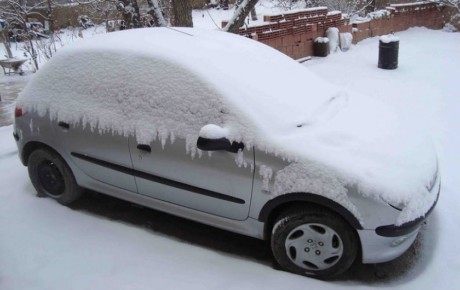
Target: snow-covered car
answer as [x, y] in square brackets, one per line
[113, 25]
[16, 35]
[85, 21]
[34, 30]
[35, 25]
[229, 132]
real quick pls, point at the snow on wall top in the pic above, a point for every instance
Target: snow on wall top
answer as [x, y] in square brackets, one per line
[267, 100]
[296, 10]
[410, 4]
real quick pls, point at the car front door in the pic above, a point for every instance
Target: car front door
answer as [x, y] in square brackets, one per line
[213, 183]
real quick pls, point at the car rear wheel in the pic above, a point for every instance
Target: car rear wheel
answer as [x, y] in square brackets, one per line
[313, 242]
[52, 177]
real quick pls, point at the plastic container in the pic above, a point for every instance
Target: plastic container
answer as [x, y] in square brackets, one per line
[388, 52]
[321, 46]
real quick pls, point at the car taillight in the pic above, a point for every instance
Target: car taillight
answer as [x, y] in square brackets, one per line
[18, 112]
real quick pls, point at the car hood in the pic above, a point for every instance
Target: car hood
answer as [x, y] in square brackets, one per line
[363, 142]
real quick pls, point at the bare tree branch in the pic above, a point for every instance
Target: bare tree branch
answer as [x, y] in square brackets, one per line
[240, 15]
[157, 13]
[450, 3]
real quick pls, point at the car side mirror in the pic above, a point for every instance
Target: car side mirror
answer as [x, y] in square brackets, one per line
[214, 138]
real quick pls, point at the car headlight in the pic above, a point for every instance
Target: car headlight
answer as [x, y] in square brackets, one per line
[433, 180]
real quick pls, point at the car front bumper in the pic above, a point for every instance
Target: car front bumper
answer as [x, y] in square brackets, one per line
[388, 242]
[378, 249]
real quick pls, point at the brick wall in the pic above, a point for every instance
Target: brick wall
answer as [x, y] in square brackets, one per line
[293, 33]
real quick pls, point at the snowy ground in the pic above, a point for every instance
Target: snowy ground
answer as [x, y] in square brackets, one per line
[9, 90]
[212, 19]
[102, 243]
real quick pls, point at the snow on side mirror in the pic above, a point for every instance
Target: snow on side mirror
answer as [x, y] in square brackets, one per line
[212, 131]
[214, 138]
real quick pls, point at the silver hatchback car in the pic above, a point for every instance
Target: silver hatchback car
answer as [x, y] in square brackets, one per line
[225, 131]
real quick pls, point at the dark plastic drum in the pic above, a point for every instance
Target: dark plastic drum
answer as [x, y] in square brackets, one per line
[321, 47]
[388, 54]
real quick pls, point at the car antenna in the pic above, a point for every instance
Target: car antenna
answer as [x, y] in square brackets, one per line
[179, 31]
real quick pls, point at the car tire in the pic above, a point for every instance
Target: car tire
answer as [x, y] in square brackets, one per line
[313, 242]
[52, 177]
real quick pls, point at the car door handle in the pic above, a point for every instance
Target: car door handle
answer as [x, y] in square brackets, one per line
[144, 147]
[64, 125]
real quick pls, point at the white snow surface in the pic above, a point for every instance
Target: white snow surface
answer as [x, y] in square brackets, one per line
[389, 38]
[322, 39]
[291, 113]
[212, 131]
[346, 40]
[295, 10]
[333, 36]
[410, 4]
[379, 14]
[47, 246]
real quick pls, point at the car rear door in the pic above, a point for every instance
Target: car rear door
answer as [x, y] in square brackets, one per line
[103, 156]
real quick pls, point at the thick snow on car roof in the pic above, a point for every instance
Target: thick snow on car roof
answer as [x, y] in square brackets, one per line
[332, 136]
[243, 70]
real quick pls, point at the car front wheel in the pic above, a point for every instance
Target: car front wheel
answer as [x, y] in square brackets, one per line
[313, 242]
[52, 177]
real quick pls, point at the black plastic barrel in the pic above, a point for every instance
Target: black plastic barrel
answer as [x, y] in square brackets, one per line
[320, 48]
[388, 54]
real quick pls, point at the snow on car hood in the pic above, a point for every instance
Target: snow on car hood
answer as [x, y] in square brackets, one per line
[280, 106]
